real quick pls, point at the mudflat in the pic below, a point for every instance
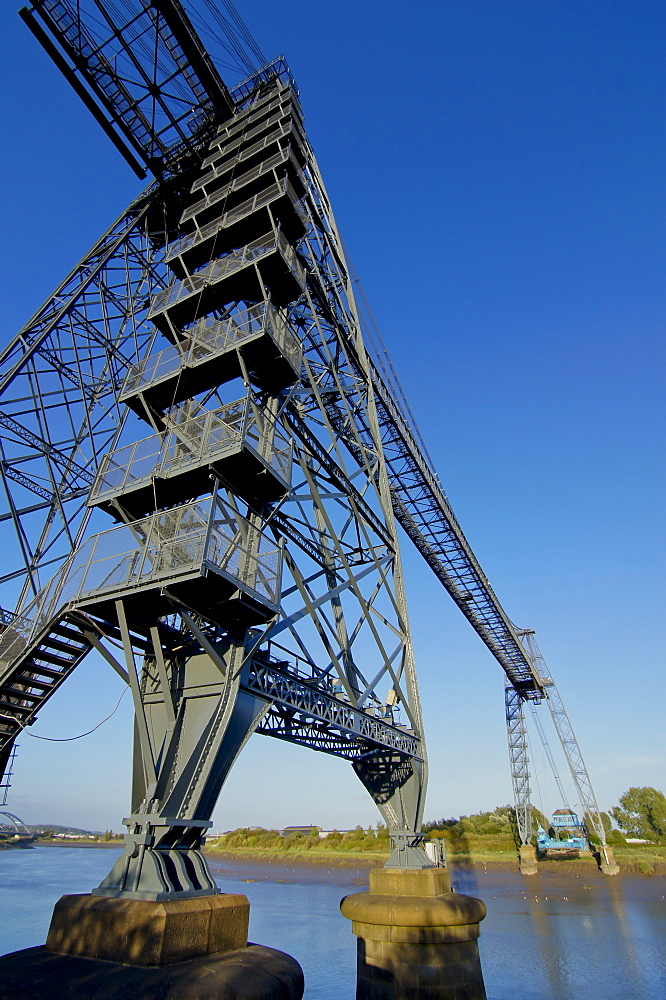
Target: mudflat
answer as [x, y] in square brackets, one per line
[312, 868]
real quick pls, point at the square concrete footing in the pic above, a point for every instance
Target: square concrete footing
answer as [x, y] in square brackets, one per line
[105, 948]
[146, 933]
[527, 860]
[607, 862]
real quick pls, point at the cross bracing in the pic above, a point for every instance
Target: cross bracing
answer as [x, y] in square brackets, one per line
[342, 613]
[519, 762]
[59, 381]
[309, 712]
[425, 514]
[564, 730]
[141, 71]
[203, 377]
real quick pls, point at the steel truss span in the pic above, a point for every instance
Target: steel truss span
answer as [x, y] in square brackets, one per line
[202, 378]
[141, 71]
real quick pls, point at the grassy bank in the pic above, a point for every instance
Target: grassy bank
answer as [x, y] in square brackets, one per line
[633, 859]
[641, 859]
[484, 860]
[366, 849]
[337, 859]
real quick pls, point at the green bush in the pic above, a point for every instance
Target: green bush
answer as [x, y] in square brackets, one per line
[642, 813]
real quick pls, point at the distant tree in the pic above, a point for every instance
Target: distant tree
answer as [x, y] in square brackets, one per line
[642, 813]
[606, 822]
[438, 824]
[382, 836]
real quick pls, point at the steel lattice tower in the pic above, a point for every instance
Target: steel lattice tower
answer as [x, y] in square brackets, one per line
[203, 462]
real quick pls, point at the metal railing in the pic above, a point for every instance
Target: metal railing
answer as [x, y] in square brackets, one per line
[224, 266]
[277, 69]
[276, 190]
[192, 441]
[265, 102]
[282, 104]
[240, 180]
[209, 338]
[282, 112]
[221, 155]
[204, 535]
[251, 112]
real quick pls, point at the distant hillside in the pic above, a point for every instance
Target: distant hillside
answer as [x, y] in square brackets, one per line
[54, 828]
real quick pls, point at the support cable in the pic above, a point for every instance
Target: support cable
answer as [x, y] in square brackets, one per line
[549, 757]
[70, 739]
[564, 730]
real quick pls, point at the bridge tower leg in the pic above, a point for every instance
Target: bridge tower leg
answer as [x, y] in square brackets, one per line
[520, 778]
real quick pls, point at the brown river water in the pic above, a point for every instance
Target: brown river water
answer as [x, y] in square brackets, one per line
[552, 936]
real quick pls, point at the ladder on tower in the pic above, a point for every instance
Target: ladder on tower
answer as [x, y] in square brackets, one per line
[36, 658]
[32, 668]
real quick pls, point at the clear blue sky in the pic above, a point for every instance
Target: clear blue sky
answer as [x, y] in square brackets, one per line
[497, 172]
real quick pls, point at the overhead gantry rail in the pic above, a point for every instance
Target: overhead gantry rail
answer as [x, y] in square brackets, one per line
[420, 506]
[422, 509]
[141, 71]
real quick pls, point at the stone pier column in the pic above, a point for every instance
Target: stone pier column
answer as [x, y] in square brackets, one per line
[417, 940]
[177, 949]
[527, 859]
[607, 862]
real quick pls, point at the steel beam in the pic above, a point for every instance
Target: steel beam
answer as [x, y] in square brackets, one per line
[519, 762]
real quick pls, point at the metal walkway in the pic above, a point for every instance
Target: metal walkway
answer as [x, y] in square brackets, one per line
[422, 509]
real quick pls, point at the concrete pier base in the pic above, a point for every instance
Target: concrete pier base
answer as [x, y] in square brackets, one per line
[607, 862]
[527, 860]
[143, 932]
[416, 939]
[251, 973]
[126, 949]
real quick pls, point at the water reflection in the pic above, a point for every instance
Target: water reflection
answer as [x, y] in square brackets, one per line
[546, 937]
[559, 936]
